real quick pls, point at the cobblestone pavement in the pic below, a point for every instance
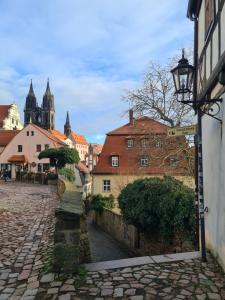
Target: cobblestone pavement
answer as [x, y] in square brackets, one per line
[26, 227]
[102, 246]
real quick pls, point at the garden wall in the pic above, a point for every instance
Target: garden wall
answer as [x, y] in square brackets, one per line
[139, 243]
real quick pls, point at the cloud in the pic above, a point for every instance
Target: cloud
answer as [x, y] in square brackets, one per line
[91, 50]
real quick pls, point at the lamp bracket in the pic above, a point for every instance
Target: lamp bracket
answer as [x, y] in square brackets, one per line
[206, 106]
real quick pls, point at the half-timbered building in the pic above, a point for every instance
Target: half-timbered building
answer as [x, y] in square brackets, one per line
[209, 83]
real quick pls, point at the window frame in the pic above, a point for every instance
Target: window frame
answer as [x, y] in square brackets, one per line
[132, 143]
[106, 185]
[144, 142]
[174, 161]
[20, 148]
[28, 133]
[144, 158]
[47, 146]
[32, 133]
[115, 158]
[37, 147]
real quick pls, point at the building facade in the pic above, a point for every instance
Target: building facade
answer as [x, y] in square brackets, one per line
[10, 117]
[209, 54]
[21, 153]
[140, 149]
[43, 116]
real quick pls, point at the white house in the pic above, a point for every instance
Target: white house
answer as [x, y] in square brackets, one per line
[209, 19]
[23, 149]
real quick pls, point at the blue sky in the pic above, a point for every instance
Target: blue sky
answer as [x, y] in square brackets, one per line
[92, 51]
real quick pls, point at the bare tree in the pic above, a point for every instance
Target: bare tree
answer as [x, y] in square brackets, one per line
[156, 98]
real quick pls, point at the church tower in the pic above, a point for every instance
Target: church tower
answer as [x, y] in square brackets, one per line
[67, 127]
[48, 110]
[31, 110]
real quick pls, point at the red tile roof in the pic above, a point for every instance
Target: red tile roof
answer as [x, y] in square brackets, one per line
[50, 136]
[79, 139]
[4, 111]
[82, 168]
[17, 158]
[58, 134]
[143, 125]
[129, 158]
[6, 136]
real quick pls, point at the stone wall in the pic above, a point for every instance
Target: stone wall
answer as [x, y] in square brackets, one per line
[139, 243]
[71, 238]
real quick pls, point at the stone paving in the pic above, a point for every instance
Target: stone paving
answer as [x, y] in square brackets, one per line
[26, 227]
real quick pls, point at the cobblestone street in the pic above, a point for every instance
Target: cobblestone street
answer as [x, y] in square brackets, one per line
[26, 227]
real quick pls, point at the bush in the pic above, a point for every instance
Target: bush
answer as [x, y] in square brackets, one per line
[68, 173]
[98, 202]
[160, 206]
[52, 176]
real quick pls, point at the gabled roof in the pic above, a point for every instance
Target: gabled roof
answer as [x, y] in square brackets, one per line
[6, 136]
[4, 111]
[49, 135]
[79, 139]
[143, 125]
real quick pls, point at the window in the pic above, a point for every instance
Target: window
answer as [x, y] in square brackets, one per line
[130, 143]
[39, 168]
[28, 133]
[144, 143]
[158, 144]
[106, 186]
[144, 161]
[174, 161]
[12, 121]
[32, 133]
[17, 122]
[209, 15]
[38, 148]
[115, 161]
[20, 148]
[47, 146]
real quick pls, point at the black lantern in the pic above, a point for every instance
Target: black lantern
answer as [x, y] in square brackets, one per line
[183, 76]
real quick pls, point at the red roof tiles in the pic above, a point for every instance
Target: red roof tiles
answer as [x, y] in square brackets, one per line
[17, 158]
[6, 136]
[79, 139]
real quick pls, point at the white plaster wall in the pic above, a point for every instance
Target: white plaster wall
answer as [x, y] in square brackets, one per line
[15, 115]
[215, 52]
[214, 184]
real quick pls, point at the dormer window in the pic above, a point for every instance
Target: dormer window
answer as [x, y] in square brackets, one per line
[130, 143]
[115, 161]
[144, 143]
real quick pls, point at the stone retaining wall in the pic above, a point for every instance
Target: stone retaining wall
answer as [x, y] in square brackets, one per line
[71, 238]
[139, 243]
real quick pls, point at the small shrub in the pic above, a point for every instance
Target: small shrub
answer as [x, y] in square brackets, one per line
[68, 173]
[99, 202]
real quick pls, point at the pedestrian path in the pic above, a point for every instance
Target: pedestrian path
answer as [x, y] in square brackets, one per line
[26, 235]
[103, 247]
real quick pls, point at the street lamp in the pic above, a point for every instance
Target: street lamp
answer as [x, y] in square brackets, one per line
[183, 75]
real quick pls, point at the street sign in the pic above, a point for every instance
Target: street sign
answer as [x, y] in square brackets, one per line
[178, 131]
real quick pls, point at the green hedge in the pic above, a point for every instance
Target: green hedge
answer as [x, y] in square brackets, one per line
[161, 206]
[99, 202]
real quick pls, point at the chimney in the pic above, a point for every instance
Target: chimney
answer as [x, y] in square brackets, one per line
[131, 117]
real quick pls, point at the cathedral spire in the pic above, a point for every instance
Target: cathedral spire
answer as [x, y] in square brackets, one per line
[67, 127]
[31, 90]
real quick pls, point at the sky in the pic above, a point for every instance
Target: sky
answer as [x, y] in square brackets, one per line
[92, 51]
